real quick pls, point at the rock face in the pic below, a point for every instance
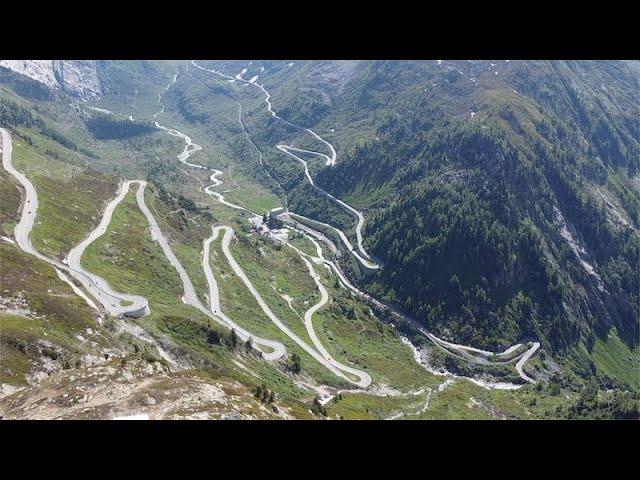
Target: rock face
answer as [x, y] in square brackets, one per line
[138, 390]
[38, 70]
[76, 77]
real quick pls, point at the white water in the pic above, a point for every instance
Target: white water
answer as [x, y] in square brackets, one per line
[329, 161]
[482, 383]
[577, 249]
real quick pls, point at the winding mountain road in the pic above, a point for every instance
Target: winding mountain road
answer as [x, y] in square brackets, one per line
[289, 149]
[325, 359]
[366, 260]
[278, 348]
[330, 161]
[96, 286]
[137, 303]
[524, 359]
[214, 297]
[271, 350]
[99, 287]
[308, 315]
[476, 355]
[366, 263]
[362, 256]
[214, 300]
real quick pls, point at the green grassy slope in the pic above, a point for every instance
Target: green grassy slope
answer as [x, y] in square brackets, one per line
[37, 306]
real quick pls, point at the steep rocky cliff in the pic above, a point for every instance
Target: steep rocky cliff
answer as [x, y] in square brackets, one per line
[76, 77]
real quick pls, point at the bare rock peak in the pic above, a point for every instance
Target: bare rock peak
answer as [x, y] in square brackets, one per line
[77, 77]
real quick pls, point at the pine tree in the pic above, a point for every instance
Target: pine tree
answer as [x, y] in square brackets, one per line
[233, 339]
[296, 363]
[264, 395]
[258, 391]
[319, 407]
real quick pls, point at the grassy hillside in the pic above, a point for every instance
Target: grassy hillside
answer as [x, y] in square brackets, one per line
[461, 183]
[40, 318]
[460, 169]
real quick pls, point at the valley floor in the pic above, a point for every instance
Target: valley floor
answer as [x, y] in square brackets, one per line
[159, 306]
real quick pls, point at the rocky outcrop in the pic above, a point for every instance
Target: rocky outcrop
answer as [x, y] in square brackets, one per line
[38, 70]
[76, 77]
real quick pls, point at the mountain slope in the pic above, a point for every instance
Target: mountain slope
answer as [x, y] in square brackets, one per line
[501, 197]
